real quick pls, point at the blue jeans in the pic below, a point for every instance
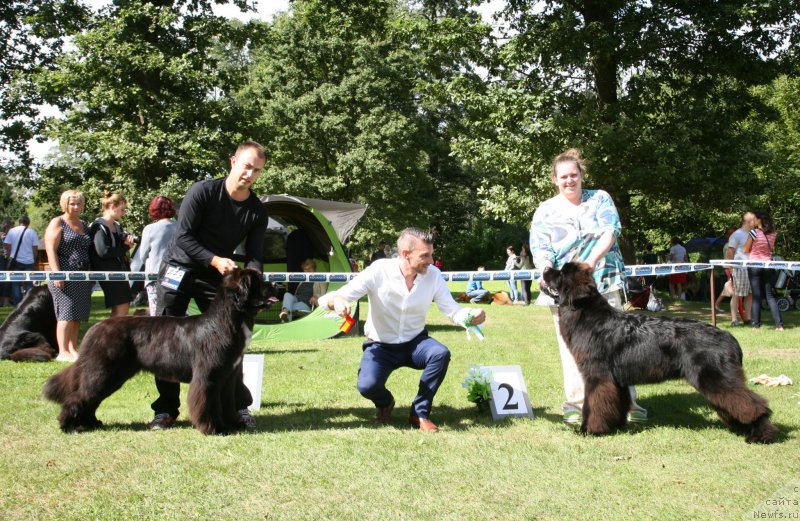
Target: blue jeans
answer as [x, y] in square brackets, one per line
[16, 287]
[512, 290]
[476, 295]
[381, 359]
[762, 282]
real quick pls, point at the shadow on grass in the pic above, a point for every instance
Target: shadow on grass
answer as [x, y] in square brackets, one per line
[675, 410]
[315, 418]
[690, 411]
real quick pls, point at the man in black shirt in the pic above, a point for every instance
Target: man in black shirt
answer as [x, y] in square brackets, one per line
[214, 218]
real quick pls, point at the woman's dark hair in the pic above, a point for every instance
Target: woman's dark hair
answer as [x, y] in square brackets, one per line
[767, 226]
[161, 207]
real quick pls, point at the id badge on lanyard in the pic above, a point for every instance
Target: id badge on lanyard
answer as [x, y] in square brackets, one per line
[173, 277]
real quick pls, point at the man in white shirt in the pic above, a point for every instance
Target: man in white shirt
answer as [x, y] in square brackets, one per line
[21, 244]
[400, 292]
[742, 297]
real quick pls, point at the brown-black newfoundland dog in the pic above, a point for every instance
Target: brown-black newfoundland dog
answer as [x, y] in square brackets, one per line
[29, 332]
[614, 350]
[204, 350]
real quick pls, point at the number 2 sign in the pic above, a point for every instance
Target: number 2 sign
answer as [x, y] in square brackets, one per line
[509, 394]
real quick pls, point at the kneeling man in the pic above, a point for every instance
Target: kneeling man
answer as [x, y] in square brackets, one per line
[400, 292]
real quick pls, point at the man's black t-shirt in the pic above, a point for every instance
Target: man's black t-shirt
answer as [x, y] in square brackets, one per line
[211, 223]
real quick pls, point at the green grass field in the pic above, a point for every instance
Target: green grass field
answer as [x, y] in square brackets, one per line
[317, 454]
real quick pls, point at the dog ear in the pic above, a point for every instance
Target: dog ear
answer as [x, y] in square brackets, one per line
[237, 284]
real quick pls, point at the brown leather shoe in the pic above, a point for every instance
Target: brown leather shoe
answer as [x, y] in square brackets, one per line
[423, 424]
[384, 414]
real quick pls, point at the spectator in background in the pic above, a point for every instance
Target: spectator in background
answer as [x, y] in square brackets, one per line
[439, 263]
[5, 287]
[648, 257]
[742, 298]
[156, 237]
[110, 245]
[677, 255]
[475, 290]
[305, 297]
[21, 244]
[760, 246]
[512, 263]
[525, 263]
[67, 241]
[380, 253]
[727, 288]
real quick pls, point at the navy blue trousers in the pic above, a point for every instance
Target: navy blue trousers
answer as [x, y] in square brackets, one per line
[381, 359]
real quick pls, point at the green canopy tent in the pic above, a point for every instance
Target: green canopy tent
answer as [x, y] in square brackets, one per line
[301, 228]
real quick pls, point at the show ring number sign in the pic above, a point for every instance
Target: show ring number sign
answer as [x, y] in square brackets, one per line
[509, 394]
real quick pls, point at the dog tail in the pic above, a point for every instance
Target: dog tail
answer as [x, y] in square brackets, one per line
[31, 354]
[61, 384]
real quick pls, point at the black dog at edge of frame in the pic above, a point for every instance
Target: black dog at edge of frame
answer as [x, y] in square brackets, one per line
[29, 332]
[614, 350]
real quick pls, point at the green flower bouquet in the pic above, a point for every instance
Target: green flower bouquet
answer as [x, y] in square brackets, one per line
[478, 384]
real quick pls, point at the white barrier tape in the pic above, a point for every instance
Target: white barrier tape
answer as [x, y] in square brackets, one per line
[76, 276]
[134, 276]
[636, 270]
[776, 265]
[639, 270]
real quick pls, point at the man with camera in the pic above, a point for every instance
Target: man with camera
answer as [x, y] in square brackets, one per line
[21, 244]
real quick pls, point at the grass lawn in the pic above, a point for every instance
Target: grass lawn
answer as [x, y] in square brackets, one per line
[317, 454]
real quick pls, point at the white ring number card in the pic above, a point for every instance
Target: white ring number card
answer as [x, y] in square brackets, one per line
[509, 394]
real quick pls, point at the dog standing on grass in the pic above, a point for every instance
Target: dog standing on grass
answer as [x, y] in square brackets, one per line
[614, 350]
[204, 350]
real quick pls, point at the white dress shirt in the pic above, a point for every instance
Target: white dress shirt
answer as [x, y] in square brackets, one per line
[397, 314]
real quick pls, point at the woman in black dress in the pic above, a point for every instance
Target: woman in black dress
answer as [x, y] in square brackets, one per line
[109, 251]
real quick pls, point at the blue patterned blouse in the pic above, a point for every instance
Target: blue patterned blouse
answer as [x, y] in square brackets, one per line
[562, 232]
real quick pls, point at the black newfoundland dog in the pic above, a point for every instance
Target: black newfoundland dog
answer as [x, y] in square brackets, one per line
[204, 350]
[29, 332]
[614, 350]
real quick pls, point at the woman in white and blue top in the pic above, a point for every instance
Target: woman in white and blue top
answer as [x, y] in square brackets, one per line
[583, 226]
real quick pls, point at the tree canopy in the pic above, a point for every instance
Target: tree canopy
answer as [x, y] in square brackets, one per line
[424, 111]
